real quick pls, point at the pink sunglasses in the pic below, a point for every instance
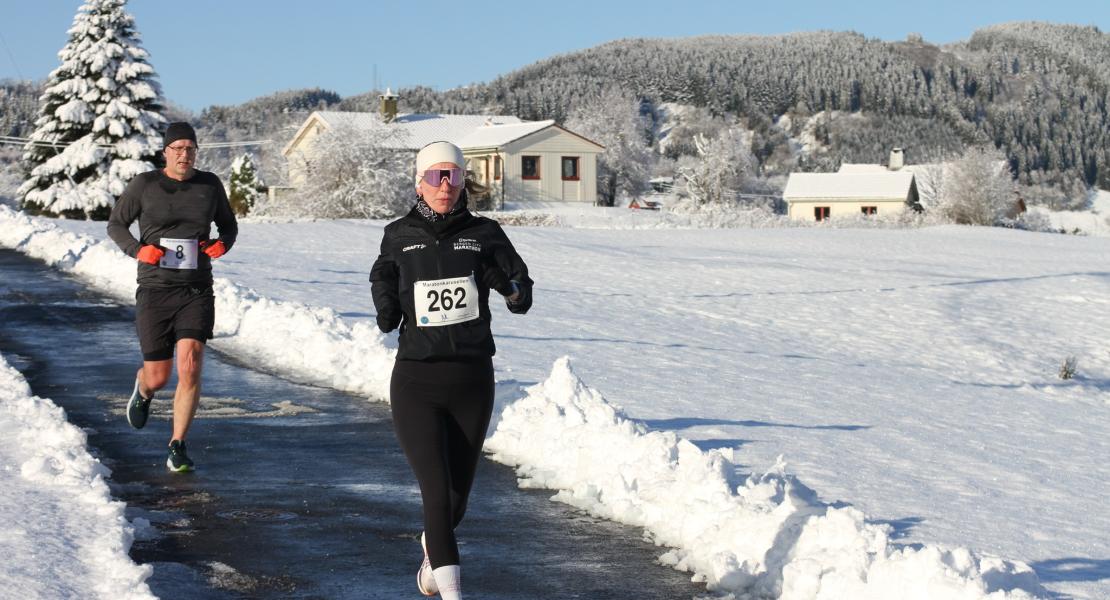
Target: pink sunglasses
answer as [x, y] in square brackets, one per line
[435, 177]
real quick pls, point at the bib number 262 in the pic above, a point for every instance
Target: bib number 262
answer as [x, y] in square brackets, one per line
[445, 301]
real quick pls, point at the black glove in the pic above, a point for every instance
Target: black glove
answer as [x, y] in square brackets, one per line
[496, 279]
[387, 323]
[523, 299]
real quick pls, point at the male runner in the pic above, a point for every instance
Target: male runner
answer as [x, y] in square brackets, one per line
[174, 304]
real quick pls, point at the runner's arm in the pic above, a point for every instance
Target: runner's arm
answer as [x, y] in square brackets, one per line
[227, 227]
[384, 281]
[506, 258]
[124, 213]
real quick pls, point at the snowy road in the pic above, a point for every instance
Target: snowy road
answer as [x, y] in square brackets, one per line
[301, 492]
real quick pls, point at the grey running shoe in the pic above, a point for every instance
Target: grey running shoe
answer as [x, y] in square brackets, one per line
[178, 461]
[138, 408]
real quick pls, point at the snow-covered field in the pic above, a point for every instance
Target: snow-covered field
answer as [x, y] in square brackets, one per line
[907, 378]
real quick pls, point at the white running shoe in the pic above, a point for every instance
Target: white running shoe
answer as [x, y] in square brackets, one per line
[425, 581]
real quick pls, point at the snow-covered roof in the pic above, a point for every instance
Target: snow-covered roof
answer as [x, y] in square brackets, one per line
[849, 186]
[863, 168]
[418, 130]
[873, 168]
[493, 135]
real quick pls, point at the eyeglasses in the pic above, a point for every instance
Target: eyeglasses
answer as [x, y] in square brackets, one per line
[182, 149]
[435, 177]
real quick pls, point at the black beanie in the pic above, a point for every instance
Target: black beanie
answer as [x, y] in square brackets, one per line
[178, 131]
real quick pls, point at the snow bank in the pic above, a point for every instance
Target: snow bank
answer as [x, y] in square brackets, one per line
[61, 533]
[310, 344]
[765, 537]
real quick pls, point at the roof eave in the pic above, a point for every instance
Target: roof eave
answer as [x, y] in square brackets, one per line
[315, 116]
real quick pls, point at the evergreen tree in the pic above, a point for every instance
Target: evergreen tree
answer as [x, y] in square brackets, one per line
[99, 119]
[245, 185]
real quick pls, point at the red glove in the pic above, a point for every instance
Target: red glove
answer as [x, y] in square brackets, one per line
[149, 254]
[214, 249]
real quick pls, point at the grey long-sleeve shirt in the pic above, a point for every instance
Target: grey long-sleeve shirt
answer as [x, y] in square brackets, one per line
[167, 208]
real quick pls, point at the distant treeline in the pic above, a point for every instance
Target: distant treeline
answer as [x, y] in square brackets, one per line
[1038, 92]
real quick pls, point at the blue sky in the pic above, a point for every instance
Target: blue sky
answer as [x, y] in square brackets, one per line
[229, 51]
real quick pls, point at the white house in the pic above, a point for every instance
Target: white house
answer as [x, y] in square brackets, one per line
[819, 196]
[518, 160]
[856, 189]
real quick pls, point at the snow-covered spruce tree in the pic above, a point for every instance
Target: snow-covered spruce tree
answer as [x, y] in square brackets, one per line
[352, 173]
[244, 185]
[99, 120]
[979, 189]
[613, 120]
[722, 165]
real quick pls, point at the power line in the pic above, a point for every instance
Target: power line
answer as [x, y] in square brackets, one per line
[12, 140]
[10, 56]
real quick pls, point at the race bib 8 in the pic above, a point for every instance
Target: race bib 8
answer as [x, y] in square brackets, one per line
[442, 302]
[180, 254]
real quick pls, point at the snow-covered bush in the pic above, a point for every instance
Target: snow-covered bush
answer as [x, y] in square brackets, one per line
[722, 165]
[1068, 369]
[99, 119]
[977, 189]
[350, 173]
[613, 120]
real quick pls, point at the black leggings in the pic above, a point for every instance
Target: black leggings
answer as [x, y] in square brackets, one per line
[441, 410]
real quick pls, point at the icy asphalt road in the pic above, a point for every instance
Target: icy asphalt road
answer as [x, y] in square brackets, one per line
[300, 492]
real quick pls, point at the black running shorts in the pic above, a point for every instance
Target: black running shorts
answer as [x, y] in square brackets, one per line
[165, 315]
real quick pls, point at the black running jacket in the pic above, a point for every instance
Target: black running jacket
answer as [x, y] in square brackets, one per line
[415, 252]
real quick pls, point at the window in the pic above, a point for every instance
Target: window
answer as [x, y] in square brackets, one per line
[869, 210]
[497, 168]
[570, 168]
[820, 212]
[530, 167]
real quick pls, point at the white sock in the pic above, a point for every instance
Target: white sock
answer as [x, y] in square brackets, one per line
[449, 581]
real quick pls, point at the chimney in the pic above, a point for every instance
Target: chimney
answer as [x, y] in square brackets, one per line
[896, 159]
[388, 105]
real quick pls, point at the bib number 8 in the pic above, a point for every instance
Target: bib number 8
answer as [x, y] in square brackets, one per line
[180, 253]
[446, 299]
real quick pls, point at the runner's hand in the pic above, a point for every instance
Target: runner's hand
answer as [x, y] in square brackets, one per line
[149, 254]
[496, 279]
[214, 249]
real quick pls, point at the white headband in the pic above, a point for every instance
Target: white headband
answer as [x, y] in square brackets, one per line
[437, 152]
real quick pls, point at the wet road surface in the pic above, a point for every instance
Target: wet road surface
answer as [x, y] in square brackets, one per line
[300, 492]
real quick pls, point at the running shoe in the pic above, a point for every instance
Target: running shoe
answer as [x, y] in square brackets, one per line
[178, 461]
[138, 408]
[425, 580]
